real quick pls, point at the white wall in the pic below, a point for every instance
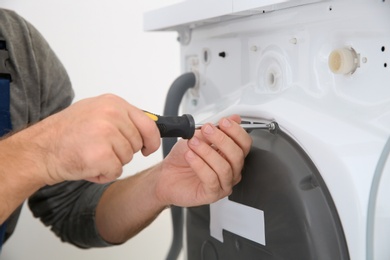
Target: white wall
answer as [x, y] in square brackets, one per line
[104, 48]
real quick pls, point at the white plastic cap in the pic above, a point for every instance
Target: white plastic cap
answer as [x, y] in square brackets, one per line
[343, 61]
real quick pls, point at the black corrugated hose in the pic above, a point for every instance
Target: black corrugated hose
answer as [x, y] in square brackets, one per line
[172, 103]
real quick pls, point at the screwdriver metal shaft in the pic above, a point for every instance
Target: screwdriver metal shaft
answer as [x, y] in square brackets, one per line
[271, 126]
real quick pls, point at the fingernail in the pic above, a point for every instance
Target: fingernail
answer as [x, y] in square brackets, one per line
[226, 122]
[208, 129]
[194, 141]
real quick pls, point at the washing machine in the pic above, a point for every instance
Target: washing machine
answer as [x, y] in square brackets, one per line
[317, 186]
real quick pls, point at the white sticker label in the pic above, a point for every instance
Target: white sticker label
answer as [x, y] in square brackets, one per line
[237, 218]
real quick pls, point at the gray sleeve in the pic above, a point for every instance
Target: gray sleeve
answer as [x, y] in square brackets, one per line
[56, 92]
[69, 208]
[40, 84]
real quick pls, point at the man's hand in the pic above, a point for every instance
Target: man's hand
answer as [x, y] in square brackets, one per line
[199, 171]
[94, 138]
[205, 168]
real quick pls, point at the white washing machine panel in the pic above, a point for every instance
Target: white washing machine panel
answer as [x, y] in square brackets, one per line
[321, 70]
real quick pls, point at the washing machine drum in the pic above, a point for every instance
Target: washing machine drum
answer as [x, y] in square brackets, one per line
[301, 221]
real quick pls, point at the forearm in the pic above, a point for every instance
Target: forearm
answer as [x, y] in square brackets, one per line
[21, 169]
[128, 206]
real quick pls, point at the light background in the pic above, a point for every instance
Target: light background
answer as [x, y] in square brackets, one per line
[105, 50]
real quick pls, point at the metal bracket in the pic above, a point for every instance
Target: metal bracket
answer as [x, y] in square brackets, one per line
[184, 35]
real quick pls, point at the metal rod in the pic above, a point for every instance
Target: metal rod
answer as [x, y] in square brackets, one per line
[271, 126]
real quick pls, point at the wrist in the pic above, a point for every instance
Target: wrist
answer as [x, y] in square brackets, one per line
[21, 173]
[25, 158]
[127, 206]
[36, 144]
[152, 176]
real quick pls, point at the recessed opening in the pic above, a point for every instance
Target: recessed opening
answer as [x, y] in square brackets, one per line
[271, 79]
[343, 61]
[385, 65]
[222, 54]
[335, 61]
[205, 56]
[330, 8]
[383, 48]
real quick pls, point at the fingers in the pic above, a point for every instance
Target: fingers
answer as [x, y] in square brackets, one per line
[139, 130]
[219, 165]
[132, 131]
[148, 131]
[237, 133]
[95, 137]
[125, 149]
[213, 171]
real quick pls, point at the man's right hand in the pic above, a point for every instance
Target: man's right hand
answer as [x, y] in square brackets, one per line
[93, 139]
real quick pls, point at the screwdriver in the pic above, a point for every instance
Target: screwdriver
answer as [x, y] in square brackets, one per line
[184, 126]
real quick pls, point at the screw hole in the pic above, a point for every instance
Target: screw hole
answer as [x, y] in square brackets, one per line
[330, 8]
[383, 48]
[385, 65]
[206, 56]
[271, 79]
[222, 54]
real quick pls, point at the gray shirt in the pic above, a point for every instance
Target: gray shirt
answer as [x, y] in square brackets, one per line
[41, 87]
